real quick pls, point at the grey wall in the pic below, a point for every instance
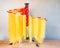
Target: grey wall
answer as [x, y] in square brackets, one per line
[44, 8]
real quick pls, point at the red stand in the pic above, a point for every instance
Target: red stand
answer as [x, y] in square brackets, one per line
[26, 12]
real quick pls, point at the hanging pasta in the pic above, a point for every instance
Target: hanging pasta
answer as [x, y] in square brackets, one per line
[35, 27]
[41, 30]
[11, 28]
[30, 28]
[24, 27]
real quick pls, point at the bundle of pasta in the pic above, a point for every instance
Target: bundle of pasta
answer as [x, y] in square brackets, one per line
[30, 29]
[11, 27]
[35, 26]
[24, 26]
[19, 28]
[41, 30]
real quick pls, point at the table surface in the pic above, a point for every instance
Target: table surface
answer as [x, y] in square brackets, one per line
[26, 44]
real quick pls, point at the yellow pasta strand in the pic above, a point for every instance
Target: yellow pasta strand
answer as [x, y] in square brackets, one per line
[24, 27]
[19, 24]
[11, 28]
[35, 27]
[30, 29]
[41, 31]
